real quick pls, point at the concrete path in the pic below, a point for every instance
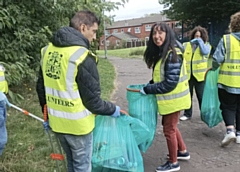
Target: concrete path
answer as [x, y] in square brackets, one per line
[202, 142]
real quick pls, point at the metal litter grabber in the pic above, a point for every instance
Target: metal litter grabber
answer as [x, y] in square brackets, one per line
[55, 156]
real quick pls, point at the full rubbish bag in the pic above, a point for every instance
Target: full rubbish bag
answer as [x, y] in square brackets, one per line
[210, 111]
[143, 107]
[114, 146]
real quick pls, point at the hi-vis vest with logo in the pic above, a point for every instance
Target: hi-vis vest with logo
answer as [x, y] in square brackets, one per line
[3, 82]
[229, 73]
[179, 98]
[66, 112]
[195, 62]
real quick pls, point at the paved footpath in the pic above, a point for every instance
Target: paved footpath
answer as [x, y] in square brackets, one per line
[202, 142]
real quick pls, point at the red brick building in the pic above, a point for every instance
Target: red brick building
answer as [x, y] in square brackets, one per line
[134, 32]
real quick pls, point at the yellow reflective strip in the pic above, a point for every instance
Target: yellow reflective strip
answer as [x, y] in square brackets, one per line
[67, 115]
[231, 61]
[63, 94]
[228, 46]
[199, 61]
[2, 78]
[70, 79]
[230, 73]
[172, 96]
[44, 49]
[199, 70]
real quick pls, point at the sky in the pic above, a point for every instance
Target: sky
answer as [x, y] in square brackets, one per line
[136, 9]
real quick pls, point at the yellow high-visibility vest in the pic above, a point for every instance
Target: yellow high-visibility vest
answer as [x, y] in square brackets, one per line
[179, 98]
[3, 82]
[229, 72]
[66, 112]
[195, 62]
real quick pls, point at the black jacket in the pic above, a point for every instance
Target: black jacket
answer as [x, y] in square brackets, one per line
[87, 76]
[171, 74]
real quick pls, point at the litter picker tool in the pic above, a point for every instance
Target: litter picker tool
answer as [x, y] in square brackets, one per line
[55, 156]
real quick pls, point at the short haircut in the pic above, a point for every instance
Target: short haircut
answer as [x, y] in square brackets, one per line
[84, 17]
[203, 31]
[234, 25]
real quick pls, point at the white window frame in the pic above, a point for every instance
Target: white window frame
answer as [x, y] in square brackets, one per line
[137, 30]
[129, 29]
[117, 42]
[122, 30]
[148, 27]
[115, 30]
[107, 43]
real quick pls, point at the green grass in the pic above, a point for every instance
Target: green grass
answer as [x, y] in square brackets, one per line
[28, 148]
[125, 53]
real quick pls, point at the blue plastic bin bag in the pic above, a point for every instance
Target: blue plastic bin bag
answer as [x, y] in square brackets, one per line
[143, 107]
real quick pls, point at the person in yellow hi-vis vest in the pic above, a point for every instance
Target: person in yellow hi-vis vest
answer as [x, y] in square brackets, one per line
[227, 56]
[196, 53]
[170, 85]
[69, 84]
[3, 110]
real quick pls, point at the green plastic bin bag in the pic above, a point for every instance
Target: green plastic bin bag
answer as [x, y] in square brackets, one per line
[210, 111]
[114, 146]
[143, 107]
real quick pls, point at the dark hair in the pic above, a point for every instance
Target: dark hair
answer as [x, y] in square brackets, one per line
[153, 53]
[203, 31]
[84, 17]
[234, 25]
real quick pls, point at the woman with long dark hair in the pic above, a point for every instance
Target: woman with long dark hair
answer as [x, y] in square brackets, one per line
[170, 85]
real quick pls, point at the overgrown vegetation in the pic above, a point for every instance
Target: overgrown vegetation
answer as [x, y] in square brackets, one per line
[26, 26]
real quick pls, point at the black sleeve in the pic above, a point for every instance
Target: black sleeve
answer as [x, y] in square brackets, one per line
[89, 88]
[41, 89]
[172, 74]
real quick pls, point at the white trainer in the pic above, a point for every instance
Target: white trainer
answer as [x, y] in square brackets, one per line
[238, 139]
[229, 137]
[184, 118]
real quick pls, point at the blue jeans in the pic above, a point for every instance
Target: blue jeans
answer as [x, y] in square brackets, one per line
[78, 150]
[3, 130]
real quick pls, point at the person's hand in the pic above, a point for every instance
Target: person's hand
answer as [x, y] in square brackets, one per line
[4, 98]
[46, 126]
[195, 41]
[142, 91]
[116, 113]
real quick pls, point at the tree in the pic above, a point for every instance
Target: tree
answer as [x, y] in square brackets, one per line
[27, 25]
[214, 14]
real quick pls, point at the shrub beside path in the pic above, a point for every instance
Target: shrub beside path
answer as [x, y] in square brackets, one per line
[202, 142]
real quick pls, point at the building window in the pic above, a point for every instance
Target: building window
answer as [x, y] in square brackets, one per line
[115, 31]
[147, 27]
[117, 43]
[107, 32]
[146, 38]
[122, 30]
[129, 30]
[107, 43]
[178, 25]
[137, 30]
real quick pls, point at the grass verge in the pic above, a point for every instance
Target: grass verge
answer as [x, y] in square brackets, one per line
[135, 52]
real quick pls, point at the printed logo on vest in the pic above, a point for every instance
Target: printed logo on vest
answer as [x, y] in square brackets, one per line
[53, 66]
